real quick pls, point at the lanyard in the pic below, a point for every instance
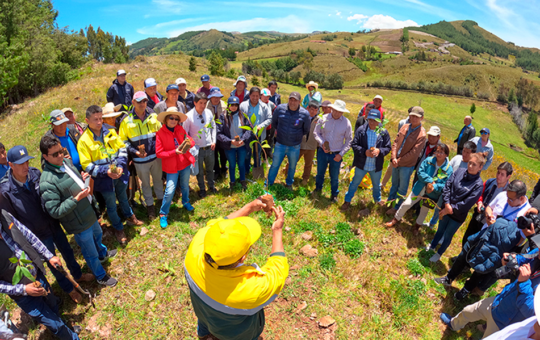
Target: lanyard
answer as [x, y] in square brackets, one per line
[512, 212]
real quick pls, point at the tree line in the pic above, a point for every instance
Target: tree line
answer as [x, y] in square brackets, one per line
[36, 54]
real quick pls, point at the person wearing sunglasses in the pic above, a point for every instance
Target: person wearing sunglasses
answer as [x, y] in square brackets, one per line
[176, 162]
[483, 145]
[68, 137]
[138, 132]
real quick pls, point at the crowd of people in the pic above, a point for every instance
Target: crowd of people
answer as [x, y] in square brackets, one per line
[144, 140]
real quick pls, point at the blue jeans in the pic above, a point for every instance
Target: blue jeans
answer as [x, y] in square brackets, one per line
[293, 155]
[236, 155]
[357, 179]
[325, 160]
[435, 217]
[401, 176]
[110, 200]
[44, 310]
[447, 228]
[61, 242]
[92, 249]
[172, 181]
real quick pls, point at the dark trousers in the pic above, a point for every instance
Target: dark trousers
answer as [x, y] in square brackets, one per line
[59, 240]
[220, 162]
[473, 227]
[270, 136]
[44, 309]
[482, 281]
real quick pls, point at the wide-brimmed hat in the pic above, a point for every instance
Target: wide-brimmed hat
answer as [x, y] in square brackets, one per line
[215, 92]
[241, 78]
[110, 110]
[171, 111]
[339, 105]
[312, 83]
[226, 241]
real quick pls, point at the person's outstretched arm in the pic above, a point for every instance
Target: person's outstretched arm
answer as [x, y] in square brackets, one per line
[247, 209]
[277, 230]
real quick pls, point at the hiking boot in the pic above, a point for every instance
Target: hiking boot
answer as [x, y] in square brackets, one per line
[202, 193]
[120, 236]
[345, 206]
[416, 229]
[447, 319]
[453, 259]
[316, 192]
[159, 203]
[133, 221]
[75, 296]
[151, 210]
[231, 186]
[391, 223]
[288, 186]
[462, 294]
[333, 199]
[163, 221]
[244, 184]
[391, 211]
[108, 281]
[213, 190]
[445, 281]
[110, 254]
[86, 277]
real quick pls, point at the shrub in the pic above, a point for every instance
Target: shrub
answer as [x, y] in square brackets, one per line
[483, 95]
[415, 267]
[334, 81]
[354, 248]
[326, 261]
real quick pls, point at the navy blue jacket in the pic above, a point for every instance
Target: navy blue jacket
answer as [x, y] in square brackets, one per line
[188, 102]
[26, 205]
[223, 132]
[276, 99]
[484, 250]
[120, 94]
[462, 191]
[291, 126]
[360, 146]
[151, 103]
[516, 301]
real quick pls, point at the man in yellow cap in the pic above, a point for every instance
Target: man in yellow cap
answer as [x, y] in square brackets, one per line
[229, 296]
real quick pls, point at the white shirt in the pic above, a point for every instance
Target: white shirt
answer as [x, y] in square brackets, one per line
[500, 207]
[517, 331]
[193, 125]
[457, 162]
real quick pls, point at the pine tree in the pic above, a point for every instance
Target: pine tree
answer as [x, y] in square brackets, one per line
[216, 64]
[473, 108]
[192, 64]
[532, 125]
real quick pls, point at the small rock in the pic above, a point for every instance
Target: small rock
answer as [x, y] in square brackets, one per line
[92, 326]
[287, 228]
[301, 307]
[136, 66]
[385, 241]
[288, 281]
[424, 281]
[309, 251]
[295, 267]
[144, 231]
[308, 235]
[363, 213]
[326, 321]
[332, 232]
[358, 231]
[150, 295]
[313, 316]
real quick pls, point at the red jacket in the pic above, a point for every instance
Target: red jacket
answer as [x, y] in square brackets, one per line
[166, 149]
[364, 113]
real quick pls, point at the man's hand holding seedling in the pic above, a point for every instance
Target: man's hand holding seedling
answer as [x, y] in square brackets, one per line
[113, 175]
[32, 290]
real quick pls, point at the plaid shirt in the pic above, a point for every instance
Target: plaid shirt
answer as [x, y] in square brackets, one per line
[371, 141]
[7, 287]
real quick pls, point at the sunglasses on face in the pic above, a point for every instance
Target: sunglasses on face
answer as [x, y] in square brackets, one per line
[172, 118]
[484, 133]
[57, 153]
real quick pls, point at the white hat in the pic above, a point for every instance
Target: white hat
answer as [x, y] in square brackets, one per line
[171, 111]
[377, 97]
[339, 105]
[120, 72]
[109, 110]
[434, 131]
[150, 82]
[312, 83]
[180, 81]
[242, 79]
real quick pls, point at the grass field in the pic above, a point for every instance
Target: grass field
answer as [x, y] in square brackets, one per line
[375, 282]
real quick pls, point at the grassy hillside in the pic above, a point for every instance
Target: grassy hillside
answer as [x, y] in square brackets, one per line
[378, 287]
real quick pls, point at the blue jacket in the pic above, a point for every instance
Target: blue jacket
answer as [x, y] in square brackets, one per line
[189, 101]
[484, 250]
[246, 94]
[462, 191]
[26, 204]
[120, 94]
[516, 301]
[360, 146]
[276, 99]
[291, 126]
[425, 176]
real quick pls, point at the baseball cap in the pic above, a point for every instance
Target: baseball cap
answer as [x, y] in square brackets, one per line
[180, 81]
[150, 82]
[377, 97]
[242, 79]
[215, 92]
[434, 131]
[58, 117]
[120, 72]
[314, 103]
[486, 130]
[172, 87]
[326, 103]
[417, 111]
[227, 240]
[18, 154]
[374, 114]
[233, 100]
[205, 77]
[140, 96]
[266, 92]
[295, 95]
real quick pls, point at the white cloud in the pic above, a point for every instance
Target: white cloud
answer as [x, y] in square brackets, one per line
[380, 21]
[338, 13]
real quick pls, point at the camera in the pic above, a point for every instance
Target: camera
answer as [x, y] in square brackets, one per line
[511, 267]
[524, 222]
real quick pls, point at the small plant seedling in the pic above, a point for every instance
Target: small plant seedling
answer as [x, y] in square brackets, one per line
[110, 152]
[264, 145]
[327, 261]
[380, 128]
[23, 269]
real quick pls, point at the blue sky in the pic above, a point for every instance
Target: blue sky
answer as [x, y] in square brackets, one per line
[512, 20]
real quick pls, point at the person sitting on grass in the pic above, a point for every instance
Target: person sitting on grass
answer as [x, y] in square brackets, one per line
[369, 148]
[432, 176]
[228, 295]
[461, 192]
[175, 163]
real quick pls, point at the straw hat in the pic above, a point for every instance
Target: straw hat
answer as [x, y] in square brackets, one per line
[109, 110]
[171, 111]
[312, 83]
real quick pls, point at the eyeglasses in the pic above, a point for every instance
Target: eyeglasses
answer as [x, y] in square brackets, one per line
[440, 152]
[172, 118]
[512, 200]
[57, 153]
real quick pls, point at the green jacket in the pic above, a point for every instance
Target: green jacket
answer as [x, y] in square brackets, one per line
[58, 191]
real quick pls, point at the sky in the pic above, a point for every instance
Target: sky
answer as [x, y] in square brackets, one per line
[511, 20]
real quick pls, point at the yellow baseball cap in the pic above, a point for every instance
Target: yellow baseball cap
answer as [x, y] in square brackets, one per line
[228, 240]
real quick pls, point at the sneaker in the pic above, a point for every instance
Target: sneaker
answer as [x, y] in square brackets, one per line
[202, 193]
[163, 221]
[435, 258]
[120, 236]
[428, 247]
[345, 206]
[188, 207]
[333, 199]
[416, 229]
[447, 319]
[244, 184]
[133, 221]
[86, 277]
[213, 190]
[108, 281]
[110, 254]
[462, 294]
[151, 210]
[445, 281]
